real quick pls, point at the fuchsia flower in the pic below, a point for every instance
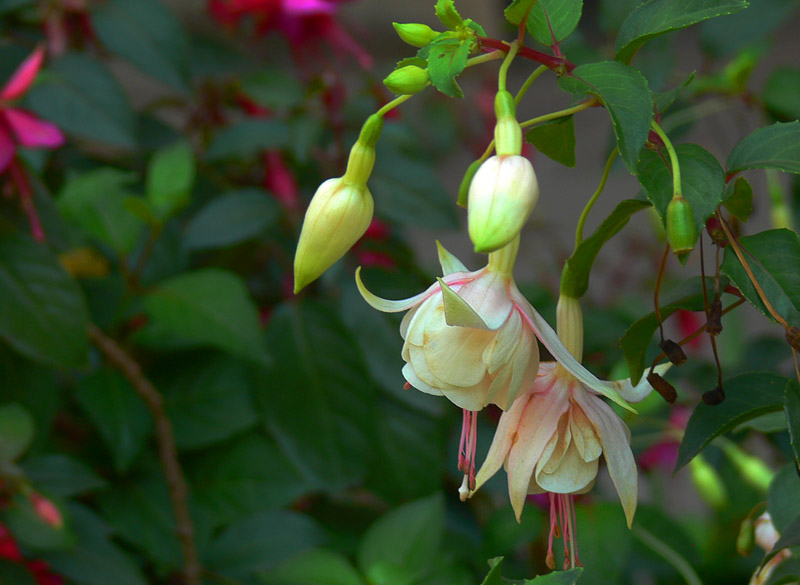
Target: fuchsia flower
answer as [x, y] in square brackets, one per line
[19, 127]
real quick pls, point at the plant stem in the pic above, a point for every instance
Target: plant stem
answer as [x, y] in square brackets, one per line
[673, 157]
[594, 197]
[559, 64]
[486, 57]
[528, 82]
[393, 104]
[167, 451]
[559, 114]
[503, 75]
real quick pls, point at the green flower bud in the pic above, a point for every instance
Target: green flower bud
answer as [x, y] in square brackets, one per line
[415, 34]
[681, 232]
[708, 483]
[746, 540]
[407, 80]
[502, 196]
[507, 131]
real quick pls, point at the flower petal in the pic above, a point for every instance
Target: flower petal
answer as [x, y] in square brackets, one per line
[24, 75]
[454, 355]
[570, 475]
[450, 263]
[616, 449]
[411, 377]
[504, 439]
[639, 392]
[386, 305]
[457, 311]
[584, 434]
[33, 132]
[550, 340]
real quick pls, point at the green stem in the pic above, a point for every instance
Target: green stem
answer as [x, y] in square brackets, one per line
[559, 114]
[673, 157]
[485, 58]
[393, 104]
[528, 82]
[502, 260]
[594, 197]
[668, 554]
[501, 78]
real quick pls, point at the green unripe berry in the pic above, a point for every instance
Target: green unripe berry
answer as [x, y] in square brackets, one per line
[407, 80]
[415, 34]
[681, 231]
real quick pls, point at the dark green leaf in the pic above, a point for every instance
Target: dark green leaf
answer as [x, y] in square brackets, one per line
[738, 198]
[317, 397]
[273, 88]
[664, 99]
[244, 477]
[43, 314]
[605, 543]
[408, 537]
[31, 530]
[495, 576]
[782, 93]
[746, 397]
[16, 431]
[687, 295]
[575, 278]
[62, 476]
[97, 201]
[446, 60]
[774, 259]
[146, 33]
[783, 504]
[789, 537]
[657, 17]
[231, 218]
[702, 181]
[731, 34]
[261, 542]
[315, 567]
[555, 139]
[787, 571]
[15, 573]
[82, 98]
[247, 138]
[624, 93]
[545, 15]
[792, 409]
[208, 307]
[210, 402]
[772, 147]
[118, 413]
[170, 176]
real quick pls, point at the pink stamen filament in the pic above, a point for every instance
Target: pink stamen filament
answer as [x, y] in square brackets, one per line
[562, 519]
[468, 445]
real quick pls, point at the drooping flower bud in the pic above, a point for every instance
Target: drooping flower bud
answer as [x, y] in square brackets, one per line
[415, 34]
[502, 196]
[507, 131]
[339, 213]
[681, 232]
[407, 80]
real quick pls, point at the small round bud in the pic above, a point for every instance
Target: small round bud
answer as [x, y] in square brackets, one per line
[673, 351]
[407, 80]
[415, 34]
[681, 232]
[502, 196]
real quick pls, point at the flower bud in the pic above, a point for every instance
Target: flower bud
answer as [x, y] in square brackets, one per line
[502, 196]
[746, 540]
[681, 233]
[507, 131]
[415, 34]
[407, 80]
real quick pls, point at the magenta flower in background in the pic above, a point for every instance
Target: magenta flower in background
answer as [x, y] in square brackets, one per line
[19, 127]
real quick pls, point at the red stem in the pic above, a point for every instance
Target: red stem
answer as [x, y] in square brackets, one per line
[554, 63]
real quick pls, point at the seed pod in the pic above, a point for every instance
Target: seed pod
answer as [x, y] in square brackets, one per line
[681, 232]
[714, 229]
[415, 34]
[793, 337]
[673, 351]
[714, 397]
[407, 80]
[664, 388]
[714, 323]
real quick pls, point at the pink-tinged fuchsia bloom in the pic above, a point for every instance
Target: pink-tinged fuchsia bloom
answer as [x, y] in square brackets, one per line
[552, 437]
[471, 337]
[19, 127]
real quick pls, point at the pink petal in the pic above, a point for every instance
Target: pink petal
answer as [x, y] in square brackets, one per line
[307, 7]
[7, 149]
[24, 75]
[33, 132]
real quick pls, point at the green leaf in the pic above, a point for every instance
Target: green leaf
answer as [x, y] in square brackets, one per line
[624, 93]
[209, 403]
[118, 413]
[774, 259]
[97, 202]
[792, 409]
[208, 307]
[555, 139]
[789, 537]
[747, 396]
[43, 314]
[664, 99]
[781, 93]
[146, 33]
[783, 504]
[31, 530]
[273, 88]
[773, 147]
[315, 567]
[231, 218]
[732, 34]
[738, 198]
[15, 573]
[656, 17]
[560, 16]
[319, 403]
[247, 138]
[62, 476]
[243, 477]
[82, 98]
[575, 278]
[170, 176]
[446, 60]
[687, 295]
[605, 543]
[495, 576]
[17, 431]
[407, 538]
[702, 182]
[261, 542]
[446, 12]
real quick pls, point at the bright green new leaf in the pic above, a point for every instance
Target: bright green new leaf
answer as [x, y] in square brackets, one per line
[446, 60]
[747, 396]
[772, 147]
[656, 17]
[16, 432]
[170, 176]
[446, 12]
[626, 96]
[738, 198]
[555, 139]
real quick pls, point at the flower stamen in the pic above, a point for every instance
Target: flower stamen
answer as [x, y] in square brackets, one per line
[467, 448]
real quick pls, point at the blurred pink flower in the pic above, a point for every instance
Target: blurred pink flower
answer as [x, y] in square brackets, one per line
[19, 127]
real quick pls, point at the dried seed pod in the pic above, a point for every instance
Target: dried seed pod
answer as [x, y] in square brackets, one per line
[714, 397]
[714, 323]
[673, 351]
[664, 388]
